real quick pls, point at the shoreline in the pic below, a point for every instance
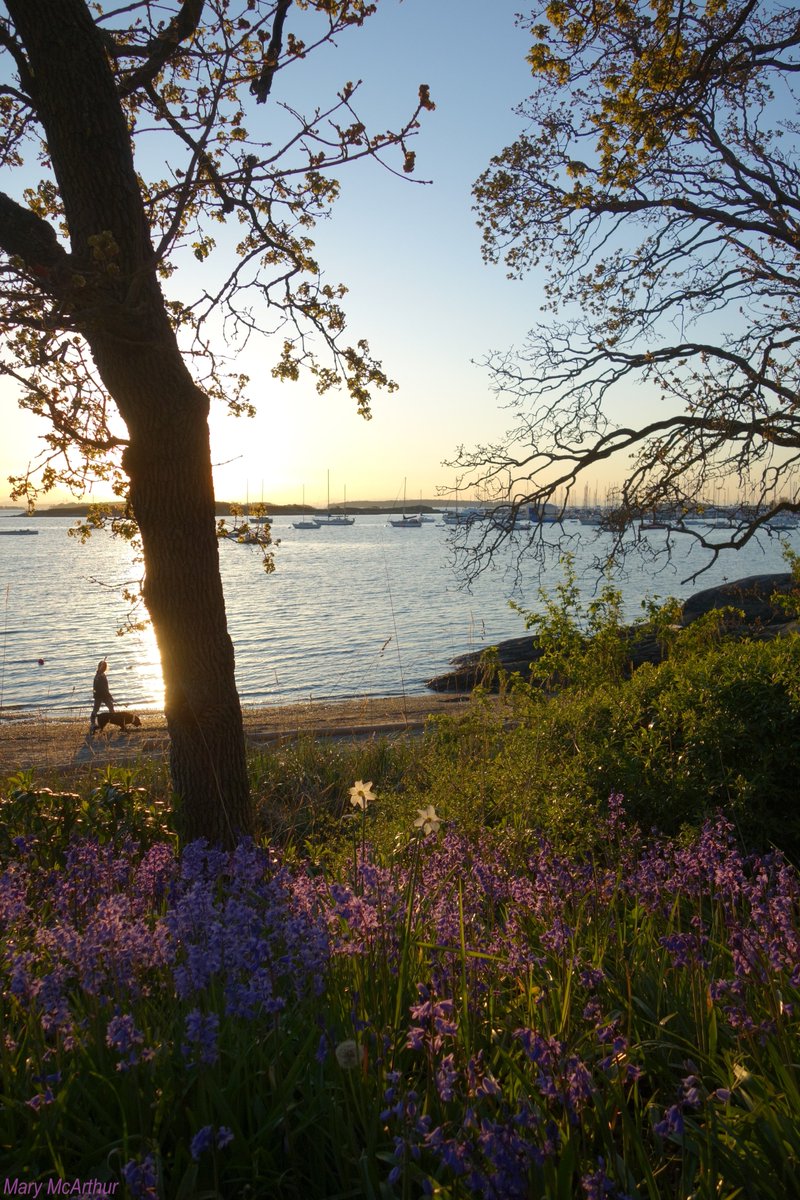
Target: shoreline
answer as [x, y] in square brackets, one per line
[60, 743]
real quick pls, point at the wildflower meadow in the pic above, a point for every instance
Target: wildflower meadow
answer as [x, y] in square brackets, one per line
[462, 966]
[460, 1018]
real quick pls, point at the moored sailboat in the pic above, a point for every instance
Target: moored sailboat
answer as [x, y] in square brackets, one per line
[330, 518]
[406, 522]
[305, 522]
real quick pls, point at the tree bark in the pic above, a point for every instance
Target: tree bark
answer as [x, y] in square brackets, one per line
[118, 306]
[168, 463]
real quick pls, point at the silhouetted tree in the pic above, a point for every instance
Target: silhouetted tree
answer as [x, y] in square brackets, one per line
[657, 187]
[145, 122]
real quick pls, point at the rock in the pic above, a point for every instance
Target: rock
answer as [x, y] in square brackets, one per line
[762, 620]
[752, 595]
[472, 670]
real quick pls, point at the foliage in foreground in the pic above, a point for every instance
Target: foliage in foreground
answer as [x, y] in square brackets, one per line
[467, 1017]
[532, 1001]
[716, 725]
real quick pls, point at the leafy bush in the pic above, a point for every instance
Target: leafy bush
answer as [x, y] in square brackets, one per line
[720, 729]
[715, 725]
[115, 812]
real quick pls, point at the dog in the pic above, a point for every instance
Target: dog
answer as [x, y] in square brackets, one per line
[123, 719]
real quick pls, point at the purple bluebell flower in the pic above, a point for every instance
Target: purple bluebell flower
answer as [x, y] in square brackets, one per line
[202, 1141]
[201, 1038]
[671, 1124]
[141, 1178]
[596, 1185]
[446, 1078]
[224, 1137]
[41, 1099]
[123, 1036]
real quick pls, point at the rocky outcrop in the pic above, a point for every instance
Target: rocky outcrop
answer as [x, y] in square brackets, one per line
[473, 670]
[752, 596]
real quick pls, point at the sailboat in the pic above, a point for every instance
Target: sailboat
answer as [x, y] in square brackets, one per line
[244, 534]
[305, 522]
[467, 516]
[405, 522]
[425, 518]
[334, 519]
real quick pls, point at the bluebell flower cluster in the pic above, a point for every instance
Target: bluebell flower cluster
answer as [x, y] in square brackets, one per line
[208, 1138]
[239, 941]
[141, 1178]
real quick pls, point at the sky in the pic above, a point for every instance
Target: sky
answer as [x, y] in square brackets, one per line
[419, 290]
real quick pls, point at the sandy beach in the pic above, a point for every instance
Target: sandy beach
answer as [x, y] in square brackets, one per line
[48, 743]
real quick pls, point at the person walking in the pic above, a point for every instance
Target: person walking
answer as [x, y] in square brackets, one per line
[102, 694]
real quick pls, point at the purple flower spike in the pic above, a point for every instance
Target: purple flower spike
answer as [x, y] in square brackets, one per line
[123, 1036]
[201, 1034]
[203, 1140]
[141, 1178]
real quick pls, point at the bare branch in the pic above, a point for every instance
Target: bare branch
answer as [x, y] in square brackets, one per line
[657, 185]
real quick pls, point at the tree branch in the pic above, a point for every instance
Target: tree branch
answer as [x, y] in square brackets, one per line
[261, 86]
[25, 236]
[164, 47]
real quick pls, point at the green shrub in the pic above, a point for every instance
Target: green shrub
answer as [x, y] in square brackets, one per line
[716, 725]
[115, 812]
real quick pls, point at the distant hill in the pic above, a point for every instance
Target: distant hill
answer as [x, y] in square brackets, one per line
[223, 508]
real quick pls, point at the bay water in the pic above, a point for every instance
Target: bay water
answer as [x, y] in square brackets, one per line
[350, 611]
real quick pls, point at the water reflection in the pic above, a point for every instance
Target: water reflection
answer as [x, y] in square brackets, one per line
[359, 610]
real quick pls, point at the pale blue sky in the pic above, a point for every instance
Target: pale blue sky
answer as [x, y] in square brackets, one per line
[410, 254]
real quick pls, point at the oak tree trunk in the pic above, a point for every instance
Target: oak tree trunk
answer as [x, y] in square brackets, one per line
[111, 294]
[168, 463]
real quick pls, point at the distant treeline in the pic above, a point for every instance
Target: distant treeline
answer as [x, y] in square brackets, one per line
[223, 509]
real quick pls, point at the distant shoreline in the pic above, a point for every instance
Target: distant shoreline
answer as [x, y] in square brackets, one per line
[223, 509]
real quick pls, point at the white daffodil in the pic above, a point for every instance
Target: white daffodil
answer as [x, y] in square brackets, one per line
[427, 820]
[361, 794]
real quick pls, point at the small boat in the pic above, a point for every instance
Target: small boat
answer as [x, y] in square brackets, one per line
[468, 517]
[425, 518]
[243, 535]
[507, 519]
[305, 522]
[332, 519]
[405, 522]
[18, 532]
[781, 521]
[544, 516]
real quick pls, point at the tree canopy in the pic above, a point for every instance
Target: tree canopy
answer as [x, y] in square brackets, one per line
[155, 131]
[222, 178]
[656, 186]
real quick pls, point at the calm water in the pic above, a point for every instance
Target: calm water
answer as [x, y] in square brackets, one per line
[354, 611]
